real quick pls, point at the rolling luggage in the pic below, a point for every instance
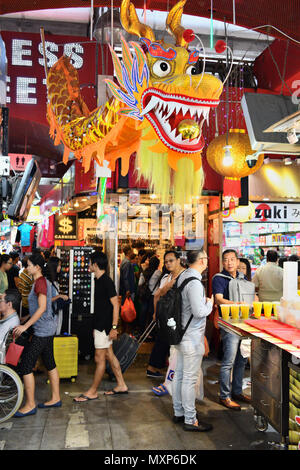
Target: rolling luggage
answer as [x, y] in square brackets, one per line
[65, 348]
[126, 349]
[66, 356]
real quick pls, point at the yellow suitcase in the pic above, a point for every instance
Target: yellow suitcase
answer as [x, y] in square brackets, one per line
[66, 356]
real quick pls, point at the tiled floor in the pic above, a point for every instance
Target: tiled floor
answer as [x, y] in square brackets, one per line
[139, 420]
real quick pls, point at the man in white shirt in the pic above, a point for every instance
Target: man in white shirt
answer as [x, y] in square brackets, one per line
[268, 279]
[9, 305]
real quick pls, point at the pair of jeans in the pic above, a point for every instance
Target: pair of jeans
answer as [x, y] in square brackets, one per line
[232, 360]
[188, 363]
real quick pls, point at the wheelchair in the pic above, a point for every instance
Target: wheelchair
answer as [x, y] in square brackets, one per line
[11, 386]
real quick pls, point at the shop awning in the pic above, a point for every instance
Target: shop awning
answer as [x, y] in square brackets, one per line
[276, 182]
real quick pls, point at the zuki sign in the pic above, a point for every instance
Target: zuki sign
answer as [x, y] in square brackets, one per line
[265, 212]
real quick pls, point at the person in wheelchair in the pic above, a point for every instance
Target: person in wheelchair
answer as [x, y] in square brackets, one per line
[9, 305]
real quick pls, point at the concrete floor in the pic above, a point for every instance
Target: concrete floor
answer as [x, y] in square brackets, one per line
[139, 420]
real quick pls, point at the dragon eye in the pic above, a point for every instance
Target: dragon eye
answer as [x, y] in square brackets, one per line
[161, 68]
[192, 70]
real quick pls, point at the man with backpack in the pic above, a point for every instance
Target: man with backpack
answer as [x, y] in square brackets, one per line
[222, 286]
[195, 307]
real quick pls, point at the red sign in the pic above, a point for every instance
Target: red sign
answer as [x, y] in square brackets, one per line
[18, 162]
[26, 91]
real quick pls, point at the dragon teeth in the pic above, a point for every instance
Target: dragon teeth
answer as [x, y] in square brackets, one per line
[152, 103]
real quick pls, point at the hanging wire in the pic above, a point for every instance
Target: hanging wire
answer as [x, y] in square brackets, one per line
[284, 65]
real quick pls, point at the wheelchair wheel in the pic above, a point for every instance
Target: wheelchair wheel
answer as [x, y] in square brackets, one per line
[11, 392]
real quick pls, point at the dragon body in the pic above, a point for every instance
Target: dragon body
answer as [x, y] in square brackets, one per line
[157, 109]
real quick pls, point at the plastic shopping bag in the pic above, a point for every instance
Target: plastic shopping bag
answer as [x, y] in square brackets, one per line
[128, 313]
[168, 383]
[245, 348]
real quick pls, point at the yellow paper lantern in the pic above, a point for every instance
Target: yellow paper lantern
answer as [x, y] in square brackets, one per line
[233, 165]
[240, 143]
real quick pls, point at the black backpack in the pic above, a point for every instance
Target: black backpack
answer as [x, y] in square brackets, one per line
[169, 315]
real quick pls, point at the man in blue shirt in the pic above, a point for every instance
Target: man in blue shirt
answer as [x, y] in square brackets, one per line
[232, 358]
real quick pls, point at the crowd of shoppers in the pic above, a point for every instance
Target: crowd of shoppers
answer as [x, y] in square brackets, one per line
[145, 279]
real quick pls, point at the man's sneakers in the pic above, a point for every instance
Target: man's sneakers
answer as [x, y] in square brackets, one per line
[198, 426]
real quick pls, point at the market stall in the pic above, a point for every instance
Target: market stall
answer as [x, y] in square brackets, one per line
[275, 358]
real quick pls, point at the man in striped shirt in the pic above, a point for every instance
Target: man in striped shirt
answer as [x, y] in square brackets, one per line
[25, 285]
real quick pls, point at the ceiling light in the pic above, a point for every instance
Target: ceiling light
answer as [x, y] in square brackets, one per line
[288, 161]
[227, 160]
[76, 204]
[153, 196]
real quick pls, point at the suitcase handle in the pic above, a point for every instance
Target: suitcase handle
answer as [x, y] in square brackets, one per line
[147, 332]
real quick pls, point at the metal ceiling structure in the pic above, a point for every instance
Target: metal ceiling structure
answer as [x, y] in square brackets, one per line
[283, 15]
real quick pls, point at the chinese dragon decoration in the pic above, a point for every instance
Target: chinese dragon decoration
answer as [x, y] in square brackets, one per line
[157, 109]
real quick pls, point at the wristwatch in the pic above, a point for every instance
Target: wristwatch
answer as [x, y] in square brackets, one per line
[114, 327]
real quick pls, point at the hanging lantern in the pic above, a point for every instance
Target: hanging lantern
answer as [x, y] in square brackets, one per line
[230, 158]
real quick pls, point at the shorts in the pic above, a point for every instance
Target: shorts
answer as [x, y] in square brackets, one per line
[101, 340]
[38, 346]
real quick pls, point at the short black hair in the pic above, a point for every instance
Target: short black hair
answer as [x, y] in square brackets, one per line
[47, 254]
[282, 260]
[127, 249]
[142, 252]
[192, 256]
[230, 250]
[14, 255]
[100, 259]
[4, 259]
[25, 262]
[13, 296]
[272, 256]
[175, 253]
[262, 253]
[293, 258]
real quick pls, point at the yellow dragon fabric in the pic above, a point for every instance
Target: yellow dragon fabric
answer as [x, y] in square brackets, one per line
[157, 109]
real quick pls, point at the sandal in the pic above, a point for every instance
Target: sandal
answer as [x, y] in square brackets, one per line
[160, 390]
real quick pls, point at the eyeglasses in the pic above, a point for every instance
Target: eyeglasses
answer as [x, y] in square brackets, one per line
[9, 262]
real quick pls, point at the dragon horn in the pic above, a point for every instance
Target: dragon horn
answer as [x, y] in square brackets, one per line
[173, 23]
[131, 23]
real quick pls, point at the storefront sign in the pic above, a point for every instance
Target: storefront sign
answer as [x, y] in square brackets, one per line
[65, 227]
[26, 83]
[273, 212]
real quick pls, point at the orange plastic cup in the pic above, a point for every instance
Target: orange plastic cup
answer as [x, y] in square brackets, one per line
[225, 309]
[245, 311]
[267, 309]
[235, 310]
[257, 306]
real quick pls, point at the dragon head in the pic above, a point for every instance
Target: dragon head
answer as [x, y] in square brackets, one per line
[164, 87]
